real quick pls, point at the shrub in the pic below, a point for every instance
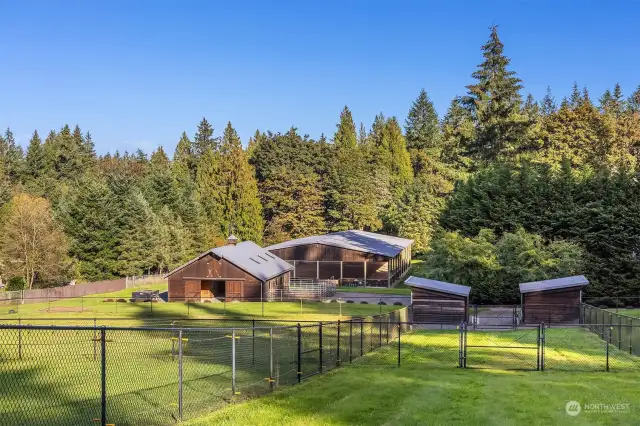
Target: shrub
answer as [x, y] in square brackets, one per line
[350, 301]
[108, 300]
[397, 304]
[382, 303]
[121, 301]
[16, 284]
[364, 302]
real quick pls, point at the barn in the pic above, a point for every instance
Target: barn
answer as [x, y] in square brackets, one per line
[552, 301]
[437, 301]
[236, 271]
[351, 257]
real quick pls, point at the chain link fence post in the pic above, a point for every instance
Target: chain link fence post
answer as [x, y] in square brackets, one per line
[321, 347]
[271, 378]
[253, 342]
[607, 343]
[103, 376]
[361, 338]
[543, 345]
[538, 355]
[233, 362]
[399, 343]
[338, 347]
[180, 374]
[95, 341]
[631, 337]
[299, 372]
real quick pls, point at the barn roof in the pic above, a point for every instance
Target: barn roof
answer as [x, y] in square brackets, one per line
[369, 242]
[249, 257]
[554, 284]
[461, 290]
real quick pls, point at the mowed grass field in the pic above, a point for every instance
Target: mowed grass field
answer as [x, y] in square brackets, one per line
[56, 381]
[426, 390]
[95, 306]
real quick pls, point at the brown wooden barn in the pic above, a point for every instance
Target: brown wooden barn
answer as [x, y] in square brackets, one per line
[552, 301]
[359, 257]
[438, 302]
[237, 271]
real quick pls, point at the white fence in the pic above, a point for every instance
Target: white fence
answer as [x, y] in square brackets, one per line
[304, 289]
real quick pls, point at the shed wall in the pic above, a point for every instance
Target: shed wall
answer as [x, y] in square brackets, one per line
[551, 306]
[438, 307]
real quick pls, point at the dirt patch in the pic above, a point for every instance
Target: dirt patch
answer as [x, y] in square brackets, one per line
[65, 309]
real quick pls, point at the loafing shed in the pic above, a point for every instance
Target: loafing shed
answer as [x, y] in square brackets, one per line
[242, 271]
[354, 256]
[438, 302]
[552, 301]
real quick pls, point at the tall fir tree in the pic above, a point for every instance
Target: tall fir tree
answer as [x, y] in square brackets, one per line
[422, 127]
[204, 139]
[495, 103]
[11, 157]
[548, 105]
[242, 211]
[35, 165]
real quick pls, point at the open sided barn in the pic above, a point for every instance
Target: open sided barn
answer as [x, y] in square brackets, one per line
[352, 256]
[236, 271]
[437, 301]
[552, 301]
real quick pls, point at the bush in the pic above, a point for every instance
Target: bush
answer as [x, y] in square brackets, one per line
[16, 284]
[121, 301]
[108, 300]
[350, 301]
[397, 304]
[364, 302]
[382, 303]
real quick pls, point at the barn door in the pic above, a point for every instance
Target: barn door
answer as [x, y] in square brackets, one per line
[233, 290]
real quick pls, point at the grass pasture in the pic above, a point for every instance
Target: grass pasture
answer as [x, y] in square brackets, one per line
[426, 389]
[142, 377]
[89, 307]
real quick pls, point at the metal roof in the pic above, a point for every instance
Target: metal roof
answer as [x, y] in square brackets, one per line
[249, 257]
[369, 242]
[461, 290]
[557, 283]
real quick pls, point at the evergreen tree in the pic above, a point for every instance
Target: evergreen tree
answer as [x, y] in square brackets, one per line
[422, 128]
[458, 132]
[204, 139]
[11, 157]
[184, 164]
[137, 243]
[242, 211]
[293, 204]
[345, 136]
[495, 104]
[160, 186]
[548, 105]
[35, 165]
[210, 191]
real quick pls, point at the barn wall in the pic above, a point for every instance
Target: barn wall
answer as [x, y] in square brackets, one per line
[438, 307]
[551, 306]
[185, 284]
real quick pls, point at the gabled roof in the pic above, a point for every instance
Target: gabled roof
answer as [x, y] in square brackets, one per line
[369, 242]
[249, 257]
[460, 290]
[557, 283]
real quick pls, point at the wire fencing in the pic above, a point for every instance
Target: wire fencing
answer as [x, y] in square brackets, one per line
[61, 375]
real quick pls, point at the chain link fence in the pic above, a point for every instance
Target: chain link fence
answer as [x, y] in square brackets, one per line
[62, 375]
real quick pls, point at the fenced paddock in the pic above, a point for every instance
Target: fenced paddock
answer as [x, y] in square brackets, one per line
[164, 373]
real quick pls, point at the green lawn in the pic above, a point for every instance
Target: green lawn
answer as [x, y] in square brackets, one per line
[90, 307]
[142, 377]
[627, 312]
[427, 389]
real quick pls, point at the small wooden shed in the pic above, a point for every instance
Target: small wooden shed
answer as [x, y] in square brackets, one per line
[438, 302]
[552, 301]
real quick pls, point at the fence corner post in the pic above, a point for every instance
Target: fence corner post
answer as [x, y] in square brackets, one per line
[271, 378]
[321, 346]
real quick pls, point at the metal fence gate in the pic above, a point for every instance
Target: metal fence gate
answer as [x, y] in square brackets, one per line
[494, 316]
[521, 349]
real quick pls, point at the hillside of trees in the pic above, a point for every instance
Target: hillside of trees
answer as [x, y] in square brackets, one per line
[498, 174]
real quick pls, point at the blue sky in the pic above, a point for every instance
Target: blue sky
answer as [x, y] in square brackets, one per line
[136, 74]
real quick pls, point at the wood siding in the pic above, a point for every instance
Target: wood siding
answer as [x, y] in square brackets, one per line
[437, 307]
[218, 277]
[319, 261]
[551, 306]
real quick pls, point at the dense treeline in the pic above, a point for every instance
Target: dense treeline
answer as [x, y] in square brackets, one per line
[495, 175]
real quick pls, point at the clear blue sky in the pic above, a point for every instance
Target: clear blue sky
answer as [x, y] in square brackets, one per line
[136, 74]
